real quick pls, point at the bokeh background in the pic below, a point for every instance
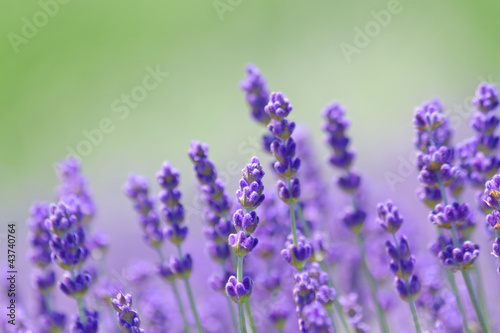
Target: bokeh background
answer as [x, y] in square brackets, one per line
[63, 79]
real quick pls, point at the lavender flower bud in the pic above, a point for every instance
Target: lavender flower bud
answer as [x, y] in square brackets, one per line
[241, 243]
[239, 292]
[430, 196]
[218, 251]
[182, 267]
[284, 192]
[353, 218]
[388, 217]
[446, 216]
[297, 256]
[75, 287]
[89, 325]
[412, 290]
[256, 93]
[279, 106]
[278, 316]
[459, 258]
[247, 222]
[128, 318]
[44, 280]
[486, 98]
[250, 192]
[165, 272]
[316, 319]
[349, 182]
[303, 291]
[492, 191]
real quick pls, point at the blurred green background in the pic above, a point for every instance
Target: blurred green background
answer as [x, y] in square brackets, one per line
[64, 79]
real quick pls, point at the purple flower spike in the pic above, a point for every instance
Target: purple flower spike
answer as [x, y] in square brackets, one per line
[446, 216]
[388, 217]
[297, 256]
[250, 192]
[278, 316]
[256, 93]
[247, 222]
[279, 106]
[44, 280]
[182, 267]
[239, 292]
[128, 318]
[353, 218]
[406, 291]
[241, 243]
[459, 258]
[486, 98]
[316, 319]
[430, 196]
[492, 192]
[303, 291]
[76, 287]
[89, 325]
[284, 192]
[349, 182]
[165, 272]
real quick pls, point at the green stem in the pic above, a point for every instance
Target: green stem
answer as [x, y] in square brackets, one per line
[413, 311]
[332, 319]
[79, 301]
[380, 312]
[453, 283]
[292, 215]
[233, 315]
[181, 307]
[250, 317]
[176, 293]
[480, 294]
[241, 313]
[190, 295]
[336, 303]
[474, 301]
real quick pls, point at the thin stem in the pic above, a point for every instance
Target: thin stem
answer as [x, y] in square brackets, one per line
[453, 284]
[250, 317]
[480, 294]
[474, 301]
[292, 215]
[241, 313]
[181, 307]
[233, 315]
[380, 313]
[193, 306]
[332, 319]
[239, 278]
[176, 293]
[414, 312]
[190, 295]
[336, 303]
[79, 301]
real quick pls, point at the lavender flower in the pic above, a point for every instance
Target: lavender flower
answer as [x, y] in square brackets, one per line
[459, 258]
[127, 317]
[256, 93]
[137, 189]
[215, 198]
[70, 252]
